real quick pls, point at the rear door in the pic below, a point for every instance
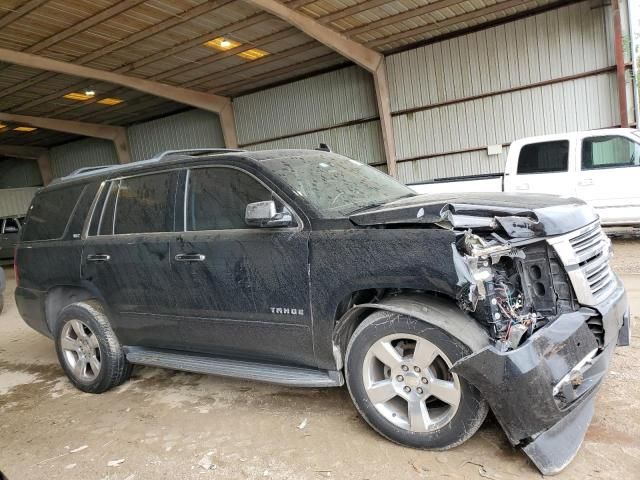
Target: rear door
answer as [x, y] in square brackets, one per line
[542, 167]
[126, 257]
[242, 291]
[609, 176]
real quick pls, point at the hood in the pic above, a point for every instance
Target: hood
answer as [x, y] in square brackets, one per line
[520, 215]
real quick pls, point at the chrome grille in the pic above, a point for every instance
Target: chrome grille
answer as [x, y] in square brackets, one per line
[585, 254]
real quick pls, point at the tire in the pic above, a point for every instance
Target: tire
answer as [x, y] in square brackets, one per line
[95, 361]
[379, 391]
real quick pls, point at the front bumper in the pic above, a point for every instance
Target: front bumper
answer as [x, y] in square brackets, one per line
[542, 401]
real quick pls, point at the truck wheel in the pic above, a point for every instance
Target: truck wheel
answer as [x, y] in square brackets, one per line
[398, 371]
[88, 350]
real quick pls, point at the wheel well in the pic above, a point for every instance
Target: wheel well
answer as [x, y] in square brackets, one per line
[349, 315]
[61, 296]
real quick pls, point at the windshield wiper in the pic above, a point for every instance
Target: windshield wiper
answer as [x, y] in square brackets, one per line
[379, 204]
[366, 207]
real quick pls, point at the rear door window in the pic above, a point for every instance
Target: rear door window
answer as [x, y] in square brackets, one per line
[544, 157]
[610, 151]
[49, 213]
[144, 204]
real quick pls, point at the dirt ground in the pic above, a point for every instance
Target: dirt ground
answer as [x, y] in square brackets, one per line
[162, 423]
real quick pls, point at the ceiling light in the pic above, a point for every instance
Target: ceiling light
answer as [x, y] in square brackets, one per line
[253, 54]
[110, 101]
[90, 93]
[2, 125]
[79, 96]
[222, 43]
[25, 129]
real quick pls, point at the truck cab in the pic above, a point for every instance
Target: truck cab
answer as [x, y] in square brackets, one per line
[598, 166]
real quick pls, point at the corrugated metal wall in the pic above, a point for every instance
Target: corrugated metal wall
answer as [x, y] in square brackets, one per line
[88, 152]
[337, 108]
[16, 201]
[190, 129]
[430, 81]
[19, 172]
[362, 141]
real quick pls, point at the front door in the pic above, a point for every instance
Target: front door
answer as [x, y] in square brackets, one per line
[125, 258]
[543, 167]
[242, 291]
[609, 177]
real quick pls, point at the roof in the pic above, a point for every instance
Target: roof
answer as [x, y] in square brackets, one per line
[165, 41]
[178, 159]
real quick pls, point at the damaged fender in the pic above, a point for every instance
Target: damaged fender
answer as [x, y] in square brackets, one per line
[436, 311]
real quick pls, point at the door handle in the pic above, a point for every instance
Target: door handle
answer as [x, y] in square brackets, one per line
[98, 257]
[190, 257]
[522, 186]
[586, 182]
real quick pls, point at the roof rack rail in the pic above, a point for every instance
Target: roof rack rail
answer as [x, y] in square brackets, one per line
[193, 152]
[87, 169]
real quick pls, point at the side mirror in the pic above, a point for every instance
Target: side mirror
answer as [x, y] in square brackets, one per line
[265, 214]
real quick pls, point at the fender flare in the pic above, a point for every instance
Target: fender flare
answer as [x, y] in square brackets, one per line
[437, 311]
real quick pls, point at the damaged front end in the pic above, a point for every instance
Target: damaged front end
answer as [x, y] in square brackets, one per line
[533, 272]
[554, 311]
[512, 289]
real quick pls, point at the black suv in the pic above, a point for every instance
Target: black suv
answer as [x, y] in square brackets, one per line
[307, 268]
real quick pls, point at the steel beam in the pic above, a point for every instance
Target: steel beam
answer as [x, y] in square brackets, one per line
[44, 164]
[202, 100]
[367, 58]
[22, 151]
[620, 64]
[40, 154]
[118, 135]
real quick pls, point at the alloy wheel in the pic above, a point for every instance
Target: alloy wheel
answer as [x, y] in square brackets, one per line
[81, 350]
[409, 381]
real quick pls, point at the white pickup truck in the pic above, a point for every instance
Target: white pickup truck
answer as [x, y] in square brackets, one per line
[601, 167]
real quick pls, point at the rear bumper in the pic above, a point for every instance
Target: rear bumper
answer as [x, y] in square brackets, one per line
[31, 305]
[542, 392]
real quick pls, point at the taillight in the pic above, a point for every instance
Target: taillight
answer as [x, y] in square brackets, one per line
[16, 270]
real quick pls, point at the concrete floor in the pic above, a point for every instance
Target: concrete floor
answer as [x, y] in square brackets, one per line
[162, 423]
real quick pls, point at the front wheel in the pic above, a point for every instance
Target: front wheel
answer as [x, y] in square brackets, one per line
[398, 372]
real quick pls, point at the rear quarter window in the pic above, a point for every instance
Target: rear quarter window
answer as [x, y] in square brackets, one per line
[49, 214]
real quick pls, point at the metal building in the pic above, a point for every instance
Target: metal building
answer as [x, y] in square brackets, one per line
[418, 88]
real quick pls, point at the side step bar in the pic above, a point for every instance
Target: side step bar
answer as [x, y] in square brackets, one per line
[261, 372]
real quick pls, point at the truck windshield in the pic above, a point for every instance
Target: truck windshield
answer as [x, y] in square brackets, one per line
[335, 185]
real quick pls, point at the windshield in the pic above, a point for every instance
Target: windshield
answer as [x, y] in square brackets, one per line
[335, 185]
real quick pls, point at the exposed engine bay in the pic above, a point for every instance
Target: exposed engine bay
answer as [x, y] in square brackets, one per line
[511, 288]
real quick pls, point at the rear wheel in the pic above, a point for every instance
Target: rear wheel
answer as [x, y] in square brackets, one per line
[88, 350]
[398, 372]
